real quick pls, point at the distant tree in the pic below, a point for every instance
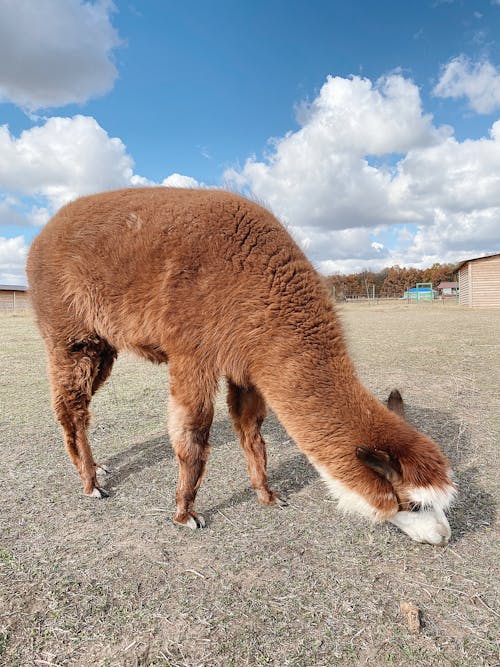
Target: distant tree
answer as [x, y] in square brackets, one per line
[391, 281]
[439, 273]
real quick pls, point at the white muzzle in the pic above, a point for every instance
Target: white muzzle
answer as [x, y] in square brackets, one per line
[428, 525]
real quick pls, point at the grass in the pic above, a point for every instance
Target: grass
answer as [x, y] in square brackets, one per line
[115, 583]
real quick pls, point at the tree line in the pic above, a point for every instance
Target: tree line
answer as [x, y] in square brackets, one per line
[389, 282]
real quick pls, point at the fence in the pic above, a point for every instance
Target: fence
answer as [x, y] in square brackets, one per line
[443, 299]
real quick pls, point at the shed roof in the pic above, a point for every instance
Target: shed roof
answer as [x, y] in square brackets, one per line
[13, 288]
[445, 285]
[474, 259]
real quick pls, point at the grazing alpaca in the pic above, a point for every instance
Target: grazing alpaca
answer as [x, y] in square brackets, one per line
[213, 284]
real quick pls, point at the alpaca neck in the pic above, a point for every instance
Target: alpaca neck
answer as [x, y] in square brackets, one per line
[320, 402]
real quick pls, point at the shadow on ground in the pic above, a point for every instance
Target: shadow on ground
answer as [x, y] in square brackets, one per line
[138, 457]
[473, 510]
[474, 507]
[287, 478]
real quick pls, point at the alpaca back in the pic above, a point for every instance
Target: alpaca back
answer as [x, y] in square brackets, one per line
[174, 271]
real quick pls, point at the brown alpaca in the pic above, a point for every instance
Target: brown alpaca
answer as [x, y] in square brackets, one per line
[213, 284]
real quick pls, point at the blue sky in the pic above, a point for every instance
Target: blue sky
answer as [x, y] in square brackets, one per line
[367, 127]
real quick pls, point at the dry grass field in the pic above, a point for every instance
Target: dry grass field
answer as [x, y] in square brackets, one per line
[114, 582]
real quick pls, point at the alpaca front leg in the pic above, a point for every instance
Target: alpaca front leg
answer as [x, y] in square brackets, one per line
[248, 410]
[189, 429]
[191, 468]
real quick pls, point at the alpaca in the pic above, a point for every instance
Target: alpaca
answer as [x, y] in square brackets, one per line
[212, 283]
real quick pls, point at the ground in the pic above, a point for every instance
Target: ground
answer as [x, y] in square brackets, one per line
[114, 582]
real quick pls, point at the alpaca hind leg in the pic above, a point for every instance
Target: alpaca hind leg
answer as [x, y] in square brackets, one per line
[106, 359]
[189, 419]
[248, 410]
[107, 356]
[72, 373]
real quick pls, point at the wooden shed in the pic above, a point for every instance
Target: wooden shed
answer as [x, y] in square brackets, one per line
[13, 297]
[479, 282]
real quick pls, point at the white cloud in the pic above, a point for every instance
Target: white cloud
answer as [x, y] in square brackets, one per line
[322, 174]
[456, 235]
[479, 82]
[13, 212]
[49, 165]
[366, 181]
[453, 176]
[367, 159]
[341, 244]
[173, 181]
[38, 216]
[63, 159]
[55, 52]
[12, 260]
[180, 181]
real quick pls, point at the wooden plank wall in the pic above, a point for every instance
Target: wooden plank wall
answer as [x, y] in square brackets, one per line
[463, 285]
[10, 301]
[486, 282]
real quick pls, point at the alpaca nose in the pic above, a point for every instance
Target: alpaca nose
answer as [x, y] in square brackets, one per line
[438, 540]
[444, 541]
[444, 532]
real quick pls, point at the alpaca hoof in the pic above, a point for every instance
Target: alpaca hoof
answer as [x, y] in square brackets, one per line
[102, 470]
[98, 492]
[190, 520]
[271, 499]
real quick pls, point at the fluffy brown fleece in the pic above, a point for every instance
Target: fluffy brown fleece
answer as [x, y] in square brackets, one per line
[213, 284]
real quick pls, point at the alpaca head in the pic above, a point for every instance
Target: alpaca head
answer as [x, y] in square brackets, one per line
[420, 485]
[419, 477]
[397, 475]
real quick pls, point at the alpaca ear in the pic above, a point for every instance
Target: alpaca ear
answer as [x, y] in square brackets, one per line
[380, 462]
[395, 403]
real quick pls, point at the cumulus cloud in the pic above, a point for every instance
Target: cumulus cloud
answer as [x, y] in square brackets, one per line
[55, 52]
[367, 179]
[175, 180]
[479, 82]
[457, 177]
[367, 161]
[323, 174]
[12, 260]
[180, 181]
[49, 165]
[341, 244]
[63, 159]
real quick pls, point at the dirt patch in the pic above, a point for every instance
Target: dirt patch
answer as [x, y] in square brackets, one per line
[113, 582]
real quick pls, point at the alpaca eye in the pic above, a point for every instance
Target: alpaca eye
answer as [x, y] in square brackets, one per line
[414, 507]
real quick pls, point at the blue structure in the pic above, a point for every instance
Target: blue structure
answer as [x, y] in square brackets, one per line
[420, 294]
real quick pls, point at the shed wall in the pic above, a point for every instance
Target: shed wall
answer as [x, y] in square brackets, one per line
[486, 282]
[464, 286]
[12, 300]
